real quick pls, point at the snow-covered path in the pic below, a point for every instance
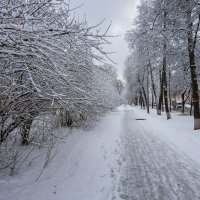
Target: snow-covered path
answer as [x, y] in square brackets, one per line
[121, 158]
[155, 169]
[85, 167]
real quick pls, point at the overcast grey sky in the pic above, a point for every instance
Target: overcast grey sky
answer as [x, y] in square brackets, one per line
[120, 12]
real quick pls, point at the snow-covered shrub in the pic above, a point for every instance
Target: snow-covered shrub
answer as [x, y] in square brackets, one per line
[47, 61]
[44, 133]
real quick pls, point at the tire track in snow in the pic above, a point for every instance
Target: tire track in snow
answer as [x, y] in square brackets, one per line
[154, 170]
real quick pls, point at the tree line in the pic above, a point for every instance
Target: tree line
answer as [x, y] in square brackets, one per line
[164, 55]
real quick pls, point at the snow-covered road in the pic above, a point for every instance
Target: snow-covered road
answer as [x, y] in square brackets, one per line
[121, 158]
[155, 169]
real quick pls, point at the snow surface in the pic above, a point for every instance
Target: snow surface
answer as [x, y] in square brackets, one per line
[82, 170]
[178, 130]
[120, 158]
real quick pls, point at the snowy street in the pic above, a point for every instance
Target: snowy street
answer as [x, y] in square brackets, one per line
[154, 168]
[120, 158]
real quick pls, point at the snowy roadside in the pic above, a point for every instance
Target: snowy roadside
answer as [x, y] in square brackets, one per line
[84, 168]
[178, 131]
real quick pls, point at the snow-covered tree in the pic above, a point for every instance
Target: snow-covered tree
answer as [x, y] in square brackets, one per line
[165, 38]
[48, 58]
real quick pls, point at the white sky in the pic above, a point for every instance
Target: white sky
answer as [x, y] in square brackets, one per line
[121, 13]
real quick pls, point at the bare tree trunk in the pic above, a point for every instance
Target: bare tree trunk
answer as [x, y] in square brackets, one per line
[144, 106]
[191, 104]
[140, 99]
[183, 102]
[170, 99]
[165, 95]
[142, 103]
[136, 101]
[153, 84]
[161, 95]
[143, 91]
[164, 71]
[25, 130]
[191, 49]
[66, 119]
[163, 100]
[147, 89]
[144, 97]
[152, 98]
